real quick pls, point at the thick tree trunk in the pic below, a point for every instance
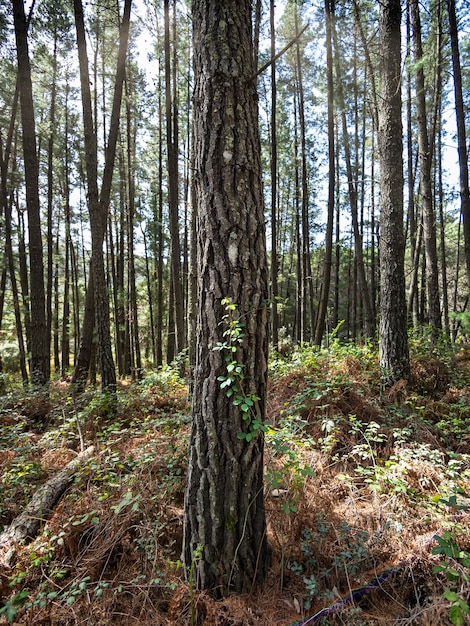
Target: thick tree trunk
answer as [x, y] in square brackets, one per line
[224, 504]
[394, 357]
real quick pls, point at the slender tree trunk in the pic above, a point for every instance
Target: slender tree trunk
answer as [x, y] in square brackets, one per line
[65, 332]
[412, 220]
[6, 210]
[50, 192]
[440, 204]
[98, 206]
[461, 134]
[3, 285]
[55, 310]
[307, 285]
[394, 356]
[133, 310]
[160, 238]
[274, 260]
[429, 219]
[150, 296]
[325, 288]
[337, 234]
[224, 509]
[299, 324]
[192, 280]
[172, 149]
[40, 362]
[353, 195]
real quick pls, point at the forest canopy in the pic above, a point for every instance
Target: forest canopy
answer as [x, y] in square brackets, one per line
[323, 213]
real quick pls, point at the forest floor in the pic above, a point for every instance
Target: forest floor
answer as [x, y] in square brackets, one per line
[367, 495]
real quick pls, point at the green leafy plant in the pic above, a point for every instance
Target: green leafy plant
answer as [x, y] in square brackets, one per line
[455, 566]
[352, 554]
[197, 556]
[12, 606]
[233, 380]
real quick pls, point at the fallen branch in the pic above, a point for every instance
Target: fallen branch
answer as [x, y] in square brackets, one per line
[26, 526]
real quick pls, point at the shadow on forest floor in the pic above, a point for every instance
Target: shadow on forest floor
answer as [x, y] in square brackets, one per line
[365, 490]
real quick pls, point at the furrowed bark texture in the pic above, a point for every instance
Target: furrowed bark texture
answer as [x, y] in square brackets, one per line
[394, 356]
[224, 506]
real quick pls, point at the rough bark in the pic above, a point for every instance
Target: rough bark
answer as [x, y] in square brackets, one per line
[394, 357]
[26, 526]
[224, 504]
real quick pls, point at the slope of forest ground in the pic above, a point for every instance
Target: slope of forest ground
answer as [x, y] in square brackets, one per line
[366, 490]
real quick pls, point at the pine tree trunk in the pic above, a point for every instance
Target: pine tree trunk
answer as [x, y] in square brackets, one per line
[40, 363]
[173, 201]
[461, 134]
[429, 218]
[394, 357]
[98, 203]
[6, 209]
[224, 508]
[308, 321]
[327, 263]
[50, 196]
[353, 196]
[159, 233]
[274, 261]
[133, 310]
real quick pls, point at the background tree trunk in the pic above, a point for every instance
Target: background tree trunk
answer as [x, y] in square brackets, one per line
[172, 149]
[40, 361]
[98, 205]
[461, 134]
[394, 356]
[327, 263]
[424, 146]
[274, 261]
